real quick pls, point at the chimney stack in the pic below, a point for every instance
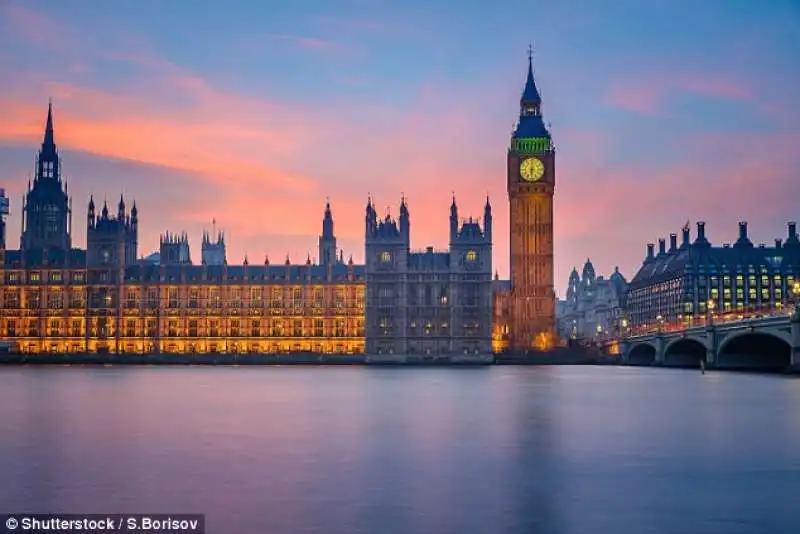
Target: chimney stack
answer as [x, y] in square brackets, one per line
[650, 247]
[777, 242]
[685, 243]
[743, 230]
[701, 231]
[673, 242]
[662, 245]
[792, 230]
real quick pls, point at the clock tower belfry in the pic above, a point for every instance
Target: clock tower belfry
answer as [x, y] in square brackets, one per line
[531, 185]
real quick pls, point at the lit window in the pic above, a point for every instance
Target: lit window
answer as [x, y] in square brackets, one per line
[386, 256]
[472, 256]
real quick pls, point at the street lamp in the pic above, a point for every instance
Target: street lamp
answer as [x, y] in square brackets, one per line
[624, 324]
[660, 320]
[710, 306]
[796, 297]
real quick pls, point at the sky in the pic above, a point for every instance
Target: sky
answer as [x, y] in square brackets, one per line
[254, 113]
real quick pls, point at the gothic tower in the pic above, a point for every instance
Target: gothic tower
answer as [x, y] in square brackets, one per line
[46, 221]
[531, 184]
[213, 252]
[327, 241]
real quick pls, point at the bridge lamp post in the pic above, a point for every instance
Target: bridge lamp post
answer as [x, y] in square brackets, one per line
[624, 324]
[796, 298]
[710, 306]
[660, 320]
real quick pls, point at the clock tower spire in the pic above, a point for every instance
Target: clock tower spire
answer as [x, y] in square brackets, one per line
[531, 186]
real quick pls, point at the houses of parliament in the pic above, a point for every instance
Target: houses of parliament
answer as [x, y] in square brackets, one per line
[400, 304]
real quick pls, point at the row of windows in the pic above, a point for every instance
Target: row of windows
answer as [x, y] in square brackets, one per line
[296, 328]
[36, 277]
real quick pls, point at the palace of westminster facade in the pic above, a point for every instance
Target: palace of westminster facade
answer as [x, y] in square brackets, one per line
[58, 298]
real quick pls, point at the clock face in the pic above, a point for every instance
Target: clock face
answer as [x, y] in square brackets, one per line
[531, 169]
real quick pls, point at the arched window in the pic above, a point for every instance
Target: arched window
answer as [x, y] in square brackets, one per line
[472, 256]
[386, 256]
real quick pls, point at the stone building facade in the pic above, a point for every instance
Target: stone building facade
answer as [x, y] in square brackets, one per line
[593, 308]
[55, 298]
[401, 304]
[693, 281]
[428, 305]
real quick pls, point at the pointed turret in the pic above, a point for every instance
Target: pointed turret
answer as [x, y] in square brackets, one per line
[121, 208]
[487, 220]
[104, 213]
[49, 143]
[530, 95]
[453, 220]
[327, 241]
[405, 223]
[531, 128]
[90, 212]
[370, 218]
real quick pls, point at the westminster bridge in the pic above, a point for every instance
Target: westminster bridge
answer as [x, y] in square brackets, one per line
[766, 343]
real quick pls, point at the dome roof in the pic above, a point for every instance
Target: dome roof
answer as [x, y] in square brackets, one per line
[588, 270]
[620, 284]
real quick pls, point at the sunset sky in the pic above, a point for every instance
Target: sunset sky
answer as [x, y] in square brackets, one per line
[254, 112]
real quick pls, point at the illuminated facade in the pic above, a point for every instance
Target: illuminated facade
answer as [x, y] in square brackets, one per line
[185, 308]
[593, 307]
[54, 298]
[501, 315]
[428, 305]
[695, 281]
[531, 186]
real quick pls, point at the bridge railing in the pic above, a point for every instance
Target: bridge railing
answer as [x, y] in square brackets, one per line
[778, 314]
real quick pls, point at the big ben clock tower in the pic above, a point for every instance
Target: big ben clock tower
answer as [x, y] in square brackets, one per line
[531, 184]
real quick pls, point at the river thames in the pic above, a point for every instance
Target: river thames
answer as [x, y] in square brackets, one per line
[407, 450]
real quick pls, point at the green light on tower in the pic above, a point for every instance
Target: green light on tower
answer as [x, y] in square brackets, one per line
[532, 145]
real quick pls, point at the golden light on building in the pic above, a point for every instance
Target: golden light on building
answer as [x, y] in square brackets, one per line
[58, 311]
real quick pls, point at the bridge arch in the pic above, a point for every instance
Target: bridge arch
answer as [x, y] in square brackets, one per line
[643, 353]
[685, 352]
[763, 350]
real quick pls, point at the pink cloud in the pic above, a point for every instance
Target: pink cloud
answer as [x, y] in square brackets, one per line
[648, 95]
[34, 27]
[314, 43]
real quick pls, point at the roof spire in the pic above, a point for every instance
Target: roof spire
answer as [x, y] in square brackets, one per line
[48, 144]
[530, 93]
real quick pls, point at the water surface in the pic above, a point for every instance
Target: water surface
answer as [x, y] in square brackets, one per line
[391, 450]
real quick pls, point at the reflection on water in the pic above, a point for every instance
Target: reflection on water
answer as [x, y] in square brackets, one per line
[365, 450]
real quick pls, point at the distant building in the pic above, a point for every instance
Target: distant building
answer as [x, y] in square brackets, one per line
[693, 280]
[593, 307]
[428, 305]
